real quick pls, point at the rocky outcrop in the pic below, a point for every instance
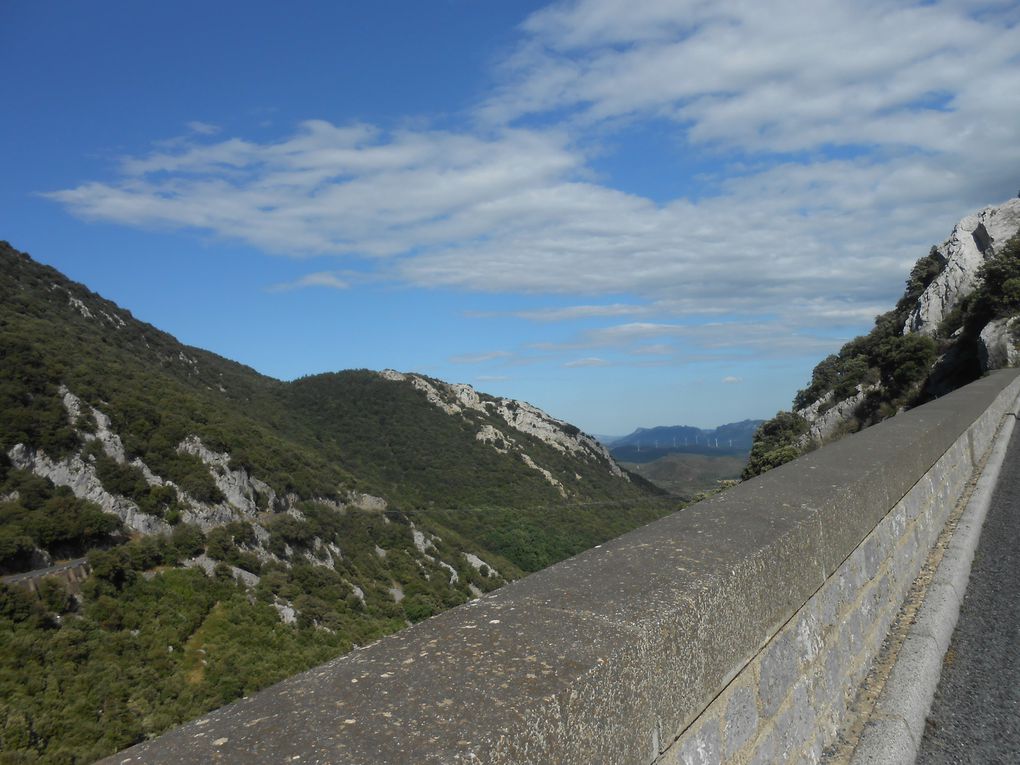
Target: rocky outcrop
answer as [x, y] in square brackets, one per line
[110, 441]
[479, 565]
[546, 474]
[287, 613]
[431, 393]
[826, 416]
[243, 492]
[80, 477]
[557, 433]
[973, 240]
[999, 344]
[208, 565]
[362, 501]
[499, 440]
[462, 399]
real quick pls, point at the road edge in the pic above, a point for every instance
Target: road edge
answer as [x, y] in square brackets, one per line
[893, 733]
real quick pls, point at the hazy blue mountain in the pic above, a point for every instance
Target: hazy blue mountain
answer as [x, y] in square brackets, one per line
[647, 444]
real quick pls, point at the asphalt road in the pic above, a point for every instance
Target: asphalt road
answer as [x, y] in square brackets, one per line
[41, 572]
[975, 717]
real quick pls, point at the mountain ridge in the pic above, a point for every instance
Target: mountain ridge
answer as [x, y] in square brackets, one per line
[741, 432]
[240, 528]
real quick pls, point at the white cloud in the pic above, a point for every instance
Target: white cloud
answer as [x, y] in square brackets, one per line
[849, 136]
[203, 128]
[781, 75]
[318, 279]
[570, 313]
[479, 358]
[590, 361]
[655, 349]
[731, 380]
[337, 190]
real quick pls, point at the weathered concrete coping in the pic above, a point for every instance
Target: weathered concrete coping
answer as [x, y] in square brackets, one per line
[605, 657]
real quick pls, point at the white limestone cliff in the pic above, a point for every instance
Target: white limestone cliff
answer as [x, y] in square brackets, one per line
[825, 416]
[973, 240]
[80, 477]
[243, 492]
[999, 344]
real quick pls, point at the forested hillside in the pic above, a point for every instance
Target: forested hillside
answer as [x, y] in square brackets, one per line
[239, 528]
[959, 317]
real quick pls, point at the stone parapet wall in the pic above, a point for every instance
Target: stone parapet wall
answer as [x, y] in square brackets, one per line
[71, 574]
[736, 630]
[788, 704]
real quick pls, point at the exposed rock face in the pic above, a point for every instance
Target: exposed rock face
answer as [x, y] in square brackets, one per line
[548, 476]
[80, 477]
[423, 543]
[80, 307]
[241, 490]
[112, 445]
[825, 423]
[287, 613]
[479, 565]
[461, 399]
[208, 565]
[997, 344]
[499, 440]
[365, 501]
[78, 474]
[109, 440]
[431, 394]
[974, 239]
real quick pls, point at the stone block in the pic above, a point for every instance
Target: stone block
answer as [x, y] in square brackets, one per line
[703, 746]
[779, 670]
[795, 725]
[835, 677]
[741, 720]
[765, 752]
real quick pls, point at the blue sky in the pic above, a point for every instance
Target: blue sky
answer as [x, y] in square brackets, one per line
[628, 212]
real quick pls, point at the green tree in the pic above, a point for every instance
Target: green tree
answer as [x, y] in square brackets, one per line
[775, 443]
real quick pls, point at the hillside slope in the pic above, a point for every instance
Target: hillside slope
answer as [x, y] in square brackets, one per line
[240, 528]
[958, 318]
[690, 475]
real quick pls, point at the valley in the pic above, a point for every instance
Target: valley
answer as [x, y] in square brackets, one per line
[238, 528]
[686, 460]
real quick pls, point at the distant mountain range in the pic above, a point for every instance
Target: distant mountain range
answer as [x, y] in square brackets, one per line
[647, 444]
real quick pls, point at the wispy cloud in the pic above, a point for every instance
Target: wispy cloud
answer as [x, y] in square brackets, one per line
[731, 380]
[319, 279]
[834, 171]
[656, 349]
[570, 313]
[203, 128]
[590, 361]
[480, 358]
